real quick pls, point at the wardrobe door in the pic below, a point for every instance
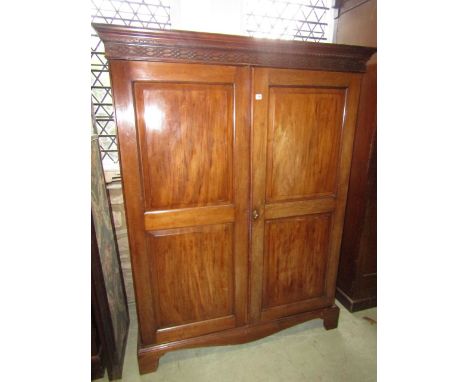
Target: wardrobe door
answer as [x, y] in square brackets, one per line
[303, 129]
[184, 153]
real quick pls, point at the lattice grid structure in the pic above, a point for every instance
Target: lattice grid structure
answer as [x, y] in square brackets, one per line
[153, 14]
[304, 20]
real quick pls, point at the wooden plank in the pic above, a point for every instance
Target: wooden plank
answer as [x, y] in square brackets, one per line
[299, 208]
[187, 217]
[195, 329]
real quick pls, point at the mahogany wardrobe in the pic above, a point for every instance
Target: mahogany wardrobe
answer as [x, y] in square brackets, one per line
[235, 156]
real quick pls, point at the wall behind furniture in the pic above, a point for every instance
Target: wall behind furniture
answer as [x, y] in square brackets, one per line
[216, 16]
[356, 24]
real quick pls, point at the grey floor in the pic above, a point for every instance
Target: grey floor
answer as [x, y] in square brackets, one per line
[306, 352]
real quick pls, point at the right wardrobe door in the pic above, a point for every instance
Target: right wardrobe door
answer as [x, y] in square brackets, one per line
[303, 130]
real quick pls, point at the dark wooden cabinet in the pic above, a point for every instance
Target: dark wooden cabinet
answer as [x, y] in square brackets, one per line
[235, 156]
[357, 275]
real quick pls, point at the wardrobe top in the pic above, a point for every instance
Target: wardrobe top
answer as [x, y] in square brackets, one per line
[129, 43]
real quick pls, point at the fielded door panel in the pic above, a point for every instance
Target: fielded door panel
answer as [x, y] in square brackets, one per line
[303, 129]
[184, 151]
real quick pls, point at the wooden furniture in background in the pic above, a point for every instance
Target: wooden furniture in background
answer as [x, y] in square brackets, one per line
[107, 349]
[235, 156]
[357, 275]
[109, 311]
[105, 352]
[97, 286]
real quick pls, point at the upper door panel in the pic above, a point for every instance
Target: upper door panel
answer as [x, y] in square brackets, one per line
[186, 140]
[304, 133]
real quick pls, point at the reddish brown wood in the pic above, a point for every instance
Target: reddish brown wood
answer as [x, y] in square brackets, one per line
[186, 193]
[357, 277]
[210, 48]
[300, 207]
[185, 217]
[204, 180]
[295, 113]
[148, 357]
[303, 130]
[296, 250]
[289, 309]
[175, 333]
[330, 319]
[148, 361]
[176, 147]
[193, 274]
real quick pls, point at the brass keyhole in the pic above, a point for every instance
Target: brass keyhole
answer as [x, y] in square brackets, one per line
[255, 215]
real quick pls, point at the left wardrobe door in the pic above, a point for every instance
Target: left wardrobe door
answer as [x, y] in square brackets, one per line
[184, 152]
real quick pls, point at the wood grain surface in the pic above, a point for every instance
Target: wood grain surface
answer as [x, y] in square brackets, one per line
[184, 141]
[303, 128]
[235, 165]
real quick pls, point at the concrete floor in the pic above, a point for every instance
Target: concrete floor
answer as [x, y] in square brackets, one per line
[306, 352]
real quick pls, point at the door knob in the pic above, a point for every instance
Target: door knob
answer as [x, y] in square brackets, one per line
[255, 215]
